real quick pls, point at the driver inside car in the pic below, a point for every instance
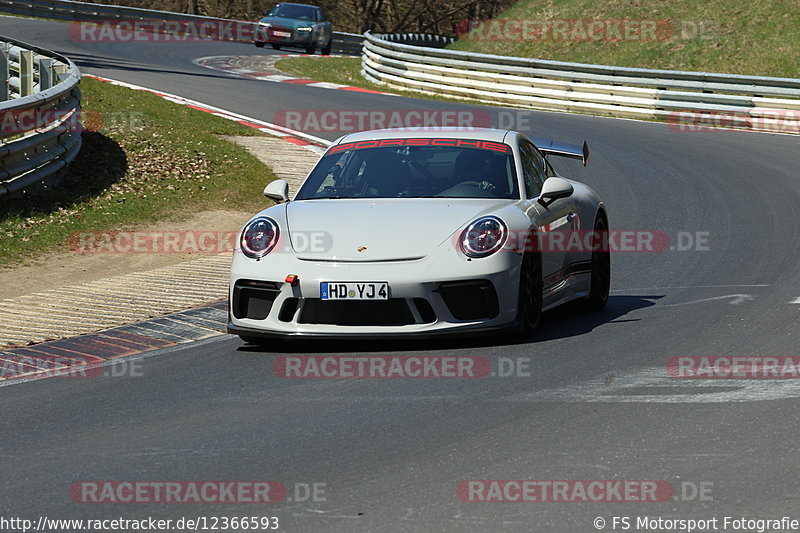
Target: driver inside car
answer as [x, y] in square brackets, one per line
[482, 169]
[384, 173]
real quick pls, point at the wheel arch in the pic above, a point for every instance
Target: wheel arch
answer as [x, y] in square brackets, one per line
[601, 212]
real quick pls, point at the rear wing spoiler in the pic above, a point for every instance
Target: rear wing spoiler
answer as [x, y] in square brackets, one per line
[549, 147]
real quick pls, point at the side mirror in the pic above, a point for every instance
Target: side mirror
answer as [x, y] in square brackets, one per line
[277, 190]
[553, 189]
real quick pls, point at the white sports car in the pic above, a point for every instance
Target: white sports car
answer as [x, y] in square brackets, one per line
[420, 232]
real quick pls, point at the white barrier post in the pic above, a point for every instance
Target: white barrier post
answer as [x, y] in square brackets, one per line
[25, 73]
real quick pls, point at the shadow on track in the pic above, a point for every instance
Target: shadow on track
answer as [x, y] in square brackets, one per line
[100, 163]
[563, 322]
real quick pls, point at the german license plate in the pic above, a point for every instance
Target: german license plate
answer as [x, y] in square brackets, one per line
[281, 34]
[353, 290]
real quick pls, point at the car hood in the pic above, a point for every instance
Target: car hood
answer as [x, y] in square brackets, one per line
[380, 229]
[286, 22]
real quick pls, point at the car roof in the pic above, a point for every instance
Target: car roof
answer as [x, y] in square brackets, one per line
[293, 4]
[484, 134]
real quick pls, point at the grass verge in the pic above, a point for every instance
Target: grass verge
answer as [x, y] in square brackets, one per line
[735, 36]
[347, 71]
[143, 160]
[342, 70]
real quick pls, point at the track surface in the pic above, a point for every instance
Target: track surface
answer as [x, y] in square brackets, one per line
[392, 451]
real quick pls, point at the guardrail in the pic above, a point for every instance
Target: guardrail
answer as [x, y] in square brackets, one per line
[345, 43]
[39, 115]
[755, 102]
[427, 40]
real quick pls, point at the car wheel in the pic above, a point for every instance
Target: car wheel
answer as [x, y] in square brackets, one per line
[276, 46]
[529, 306]
[601, 269]
[259, 45]
[326, 50]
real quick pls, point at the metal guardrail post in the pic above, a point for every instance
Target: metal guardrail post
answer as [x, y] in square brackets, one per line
[60, 72]
[38, 135]
[25, 72]
[46, 74]
[4, 72]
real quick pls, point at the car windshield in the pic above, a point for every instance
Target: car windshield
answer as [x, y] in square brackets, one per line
[412, 168]
[292, 12]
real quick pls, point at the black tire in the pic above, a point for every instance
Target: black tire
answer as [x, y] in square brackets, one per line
[601, 270]
[259, 45]
[529, 305]
[276, 46]
[326, 50]
[310, 48]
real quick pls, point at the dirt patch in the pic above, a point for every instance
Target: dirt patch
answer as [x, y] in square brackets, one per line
[287, 161]
[67, 268]
[264, 64]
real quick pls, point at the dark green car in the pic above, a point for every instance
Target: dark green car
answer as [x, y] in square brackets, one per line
[300, 25]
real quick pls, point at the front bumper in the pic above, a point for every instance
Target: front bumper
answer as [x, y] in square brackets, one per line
[295, 38]
[454, 332]
[444, 293]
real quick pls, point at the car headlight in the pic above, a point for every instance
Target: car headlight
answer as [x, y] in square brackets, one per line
[483, 237]
[265, 24]
[304, 28]
[259, 237]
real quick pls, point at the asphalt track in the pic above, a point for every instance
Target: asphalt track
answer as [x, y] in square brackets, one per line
[391, 452]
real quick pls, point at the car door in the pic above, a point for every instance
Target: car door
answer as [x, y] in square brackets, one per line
[556, 222]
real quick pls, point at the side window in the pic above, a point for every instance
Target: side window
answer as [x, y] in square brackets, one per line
[320, 15]
[532, 168]
[548, 168]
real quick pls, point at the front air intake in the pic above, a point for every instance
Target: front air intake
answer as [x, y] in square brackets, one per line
[470, 300]
[253, 299]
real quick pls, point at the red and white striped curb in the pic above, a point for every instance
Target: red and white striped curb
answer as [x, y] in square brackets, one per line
[304, 140]
[223, 63]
